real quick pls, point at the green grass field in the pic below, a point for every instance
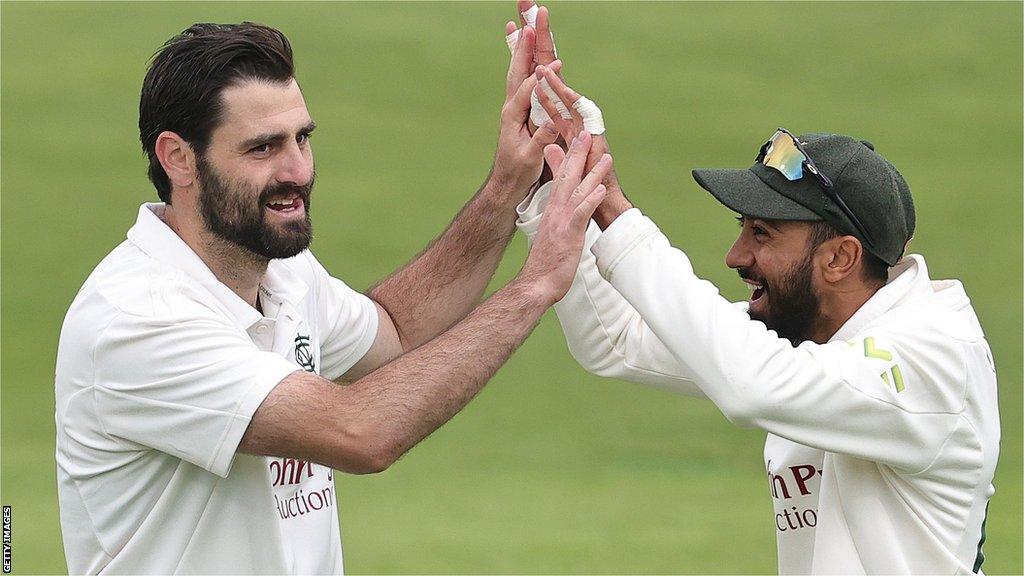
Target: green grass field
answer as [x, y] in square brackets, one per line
[550, 470]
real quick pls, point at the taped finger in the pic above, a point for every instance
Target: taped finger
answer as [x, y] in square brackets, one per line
[593, 120]
[565, 127]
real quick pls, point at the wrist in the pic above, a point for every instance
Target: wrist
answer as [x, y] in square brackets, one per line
[613, 206]
[503, 190]
[534, 292]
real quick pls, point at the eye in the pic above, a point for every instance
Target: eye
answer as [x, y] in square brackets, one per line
[261, 149]
[303, 138]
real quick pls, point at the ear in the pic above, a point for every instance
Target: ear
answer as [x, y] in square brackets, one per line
[177, 159]
[840, 258]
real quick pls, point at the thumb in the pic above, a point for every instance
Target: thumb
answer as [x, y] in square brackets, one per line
[554, 155]
[544, 136]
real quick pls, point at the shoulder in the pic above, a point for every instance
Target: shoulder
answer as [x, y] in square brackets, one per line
[918, 351]
[130, 283]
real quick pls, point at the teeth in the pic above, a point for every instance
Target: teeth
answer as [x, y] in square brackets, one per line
[753, 285]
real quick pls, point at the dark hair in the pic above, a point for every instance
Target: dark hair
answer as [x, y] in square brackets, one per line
[875, 270]
[182, 89]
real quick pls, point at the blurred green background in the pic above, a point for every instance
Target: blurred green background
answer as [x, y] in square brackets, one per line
[550, 470]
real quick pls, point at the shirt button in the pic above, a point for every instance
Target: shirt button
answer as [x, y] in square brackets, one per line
[261, 329]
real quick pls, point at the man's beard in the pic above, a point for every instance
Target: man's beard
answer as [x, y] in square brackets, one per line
[793, 305]
[232, 212]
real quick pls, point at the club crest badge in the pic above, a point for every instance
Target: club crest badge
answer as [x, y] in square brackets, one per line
[304, 354]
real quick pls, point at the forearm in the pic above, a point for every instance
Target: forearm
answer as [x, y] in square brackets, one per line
[604, 333]
[830, 396]
[445, 281]
[407, 399]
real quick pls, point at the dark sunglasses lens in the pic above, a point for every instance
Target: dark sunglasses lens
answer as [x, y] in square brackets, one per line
[783, 155]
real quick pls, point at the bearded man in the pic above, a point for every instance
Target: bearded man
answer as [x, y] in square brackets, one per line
[197, 421]
[875, 383]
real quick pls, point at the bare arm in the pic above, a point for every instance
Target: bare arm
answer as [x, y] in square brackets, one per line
[444, 282]
[364, 427]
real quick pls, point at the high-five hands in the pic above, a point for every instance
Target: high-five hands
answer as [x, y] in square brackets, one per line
[615, 201]
[555, 253]
[519, 157]
[544, 54]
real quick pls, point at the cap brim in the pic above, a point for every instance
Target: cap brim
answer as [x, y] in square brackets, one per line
[743, 192]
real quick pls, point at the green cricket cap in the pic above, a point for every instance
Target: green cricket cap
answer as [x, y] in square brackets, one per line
[869, 184]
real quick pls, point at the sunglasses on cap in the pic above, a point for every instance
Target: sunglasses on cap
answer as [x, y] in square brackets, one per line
[784, 153]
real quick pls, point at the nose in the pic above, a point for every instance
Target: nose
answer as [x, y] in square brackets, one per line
[296, 165]
[740, 255]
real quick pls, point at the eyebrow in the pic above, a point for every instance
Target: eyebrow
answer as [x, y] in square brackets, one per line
[274, 137]
[773, 224]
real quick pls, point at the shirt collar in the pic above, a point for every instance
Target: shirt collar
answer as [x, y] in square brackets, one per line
[154, 237]
[908, 279]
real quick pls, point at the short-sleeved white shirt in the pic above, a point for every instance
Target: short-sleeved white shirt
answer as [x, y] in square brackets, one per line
[160, 368]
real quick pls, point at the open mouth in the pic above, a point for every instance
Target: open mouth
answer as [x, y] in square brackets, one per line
[287, 205]
[757, 290]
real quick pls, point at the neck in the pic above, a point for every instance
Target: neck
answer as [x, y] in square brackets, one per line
[234, 266]
[838, 307]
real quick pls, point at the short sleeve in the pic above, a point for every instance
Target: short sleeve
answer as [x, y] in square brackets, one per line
[347, 322]
[186, 385]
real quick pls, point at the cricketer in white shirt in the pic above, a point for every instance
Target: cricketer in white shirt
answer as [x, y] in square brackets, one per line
[882, 443]
[160, 367]
[200, 368]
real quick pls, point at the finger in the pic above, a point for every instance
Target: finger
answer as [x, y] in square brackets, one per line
[556, 66]
[545, 43]
[564, 127]
[571, 170]
[581, 215]
[510, 27]
[597, 149]
[542, 73]
[523, 6]
[554, 155]
[517, 108]
[567, 95]
[545, 135]
[522, 61]
[597, 174]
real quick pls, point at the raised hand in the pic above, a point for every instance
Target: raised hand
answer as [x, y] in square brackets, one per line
[543, 53]
[555, 253]
[615, 200]
[544, 49]
[519, 157]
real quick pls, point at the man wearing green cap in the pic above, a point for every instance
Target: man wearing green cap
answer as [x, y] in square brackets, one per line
[875, 384]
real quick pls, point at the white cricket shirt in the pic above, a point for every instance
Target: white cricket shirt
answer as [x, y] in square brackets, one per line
[882, 443]
[160, 367]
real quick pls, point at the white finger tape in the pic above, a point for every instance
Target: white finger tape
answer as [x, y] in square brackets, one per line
[593, 121]
[512, 39]
[559, 105]
[538, 115]
[530, 16]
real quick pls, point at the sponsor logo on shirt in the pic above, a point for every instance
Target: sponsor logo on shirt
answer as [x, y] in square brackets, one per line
[311, 487]
[301, 487]
[792, 483]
